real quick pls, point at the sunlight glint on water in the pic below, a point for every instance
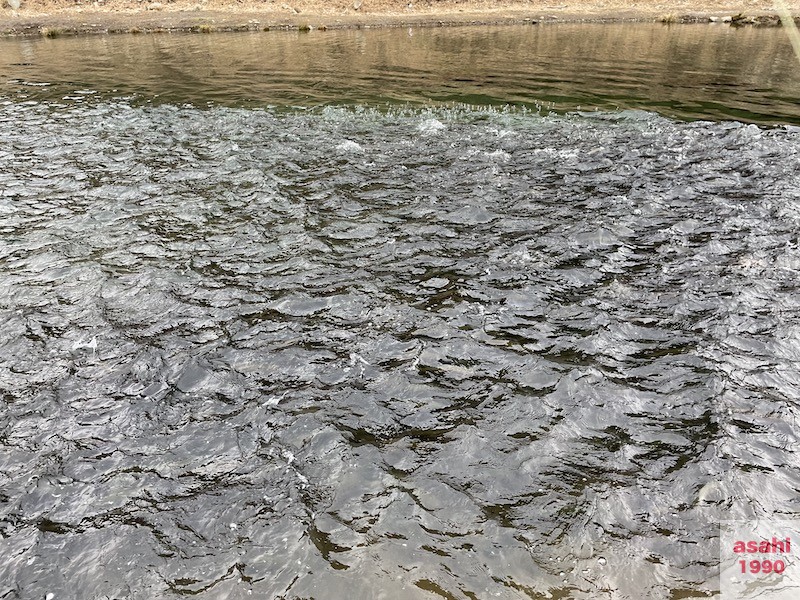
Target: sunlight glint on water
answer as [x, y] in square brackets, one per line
[400, 353]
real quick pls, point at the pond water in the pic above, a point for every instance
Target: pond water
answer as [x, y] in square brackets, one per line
[689, 72]
[318, 316]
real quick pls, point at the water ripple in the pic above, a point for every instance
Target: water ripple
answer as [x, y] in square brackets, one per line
[400, 354]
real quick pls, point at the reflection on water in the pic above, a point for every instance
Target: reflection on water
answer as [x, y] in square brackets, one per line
[694, 71]
[409, 354]
[414, 352]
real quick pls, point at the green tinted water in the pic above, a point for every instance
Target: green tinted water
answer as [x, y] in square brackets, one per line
[691, 72]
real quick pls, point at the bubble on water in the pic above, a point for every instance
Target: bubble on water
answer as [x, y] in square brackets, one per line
[431, 126]
[349, 146]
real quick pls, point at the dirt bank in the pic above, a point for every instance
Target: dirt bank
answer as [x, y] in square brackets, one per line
[63, 17]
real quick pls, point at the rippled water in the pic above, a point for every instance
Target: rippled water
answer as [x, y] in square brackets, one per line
[400, 353]
[690, 72]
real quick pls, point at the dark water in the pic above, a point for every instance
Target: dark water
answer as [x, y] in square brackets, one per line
[400, 353]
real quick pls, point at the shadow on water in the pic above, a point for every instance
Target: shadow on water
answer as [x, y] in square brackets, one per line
[690, 72]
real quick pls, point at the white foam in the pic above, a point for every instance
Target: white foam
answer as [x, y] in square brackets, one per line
[350, 146]
[90, 345]
[357, 358]
[431, 127]
[499, 154]
[275, 400]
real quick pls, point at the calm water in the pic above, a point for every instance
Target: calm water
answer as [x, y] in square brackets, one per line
[257, 345]
[692, 72]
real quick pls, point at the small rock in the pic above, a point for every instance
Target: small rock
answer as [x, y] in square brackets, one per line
[727, 19]
[713, 19]
[357, 4]
[14, 4]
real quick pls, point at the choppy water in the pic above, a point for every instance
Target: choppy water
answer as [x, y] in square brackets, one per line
[400, 353]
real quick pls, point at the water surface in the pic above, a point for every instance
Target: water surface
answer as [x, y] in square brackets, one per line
[374, 351]
[698, 71]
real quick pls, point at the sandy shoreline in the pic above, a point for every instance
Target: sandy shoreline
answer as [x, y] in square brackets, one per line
[52, 18]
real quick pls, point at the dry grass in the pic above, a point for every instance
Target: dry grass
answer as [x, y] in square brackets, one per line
[72, 16]
[51, 32]
[663, 8]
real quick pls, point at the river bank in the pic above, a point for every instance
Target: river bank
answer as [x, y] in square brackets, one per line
[58, 17]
